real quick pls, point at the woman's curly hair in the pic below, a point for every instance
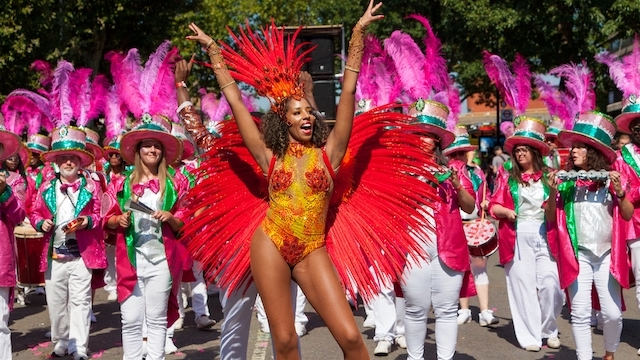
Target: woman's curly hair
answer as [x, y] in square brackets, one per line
[276, 132]
[595, 160]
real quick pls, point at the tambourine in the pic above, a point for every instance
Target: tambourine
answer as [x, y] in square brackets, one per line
[593, 175]
[72, 226]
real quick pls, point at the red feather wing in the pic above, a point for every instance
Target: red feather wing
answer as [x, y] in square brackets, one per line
[377, 195]
[226, 207]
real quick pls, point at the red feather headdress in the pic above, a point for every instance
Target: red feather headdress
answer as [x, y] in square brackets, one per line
[271, 65]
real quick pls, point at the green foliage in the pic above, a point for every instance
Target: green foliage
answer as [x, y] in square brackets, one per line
[548, 32]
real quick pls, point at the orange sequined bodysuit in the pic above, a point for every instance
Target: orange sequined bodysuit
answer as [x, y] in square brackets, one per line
[300, 188]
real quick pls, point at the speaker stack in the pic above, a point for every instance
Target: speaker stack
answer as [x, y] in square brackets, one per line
[322, 64]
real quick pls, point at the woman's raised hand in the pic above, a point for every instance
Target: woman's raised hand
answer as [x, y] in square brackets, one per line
[199, 36]
[183, 69]
[369, 16]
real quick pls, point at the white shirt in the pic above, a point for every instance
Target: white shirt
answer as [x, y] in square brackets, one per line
[65, 211]
[148, 231]
[594, 219]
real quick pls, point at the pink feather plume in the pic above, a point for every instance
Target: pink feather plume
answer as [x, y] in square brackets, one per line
[523, 84]
[99, 93]
[115, 114]
[409, 62]
[626, 72]
[557, 103]
[579, 85]
[163, 98]
[499, 73]
[46, 74]
[453, 102]
[126, 71]
[435, 66]
[28, 109]
[61, 109]
[80, 87]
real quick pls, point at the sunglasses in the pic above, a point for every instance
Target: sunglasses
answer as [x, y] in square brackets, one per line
[116, 155]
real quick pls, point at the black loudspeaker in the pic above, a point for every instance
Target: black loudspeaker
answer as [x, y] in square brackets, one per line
[322, 58]
[324, 92]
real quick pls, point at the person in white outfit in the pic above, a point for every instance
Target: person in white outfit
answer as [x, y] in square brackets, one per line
[388, 310]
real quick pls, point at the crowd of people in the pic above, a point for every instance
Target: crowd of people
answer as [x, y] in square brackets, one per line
[390, 204]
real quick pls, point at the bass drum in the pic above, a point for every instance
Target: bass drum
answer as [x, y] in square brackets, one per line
[482, 238]
[29, 245]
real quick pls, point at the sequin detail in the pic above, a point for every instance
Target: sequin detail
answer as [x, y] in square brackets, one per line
[299, 192]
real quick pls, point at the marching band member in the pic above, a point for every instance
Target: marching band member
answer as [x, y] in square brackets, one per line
[628, 159]
[591, 221]
[67, 210]
[11, 214]
[520, 202]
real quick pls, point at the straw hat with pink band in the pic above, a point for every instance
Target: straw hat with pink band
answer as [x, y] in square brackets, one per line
[461, 142]
[93, 141]
[150, 95]
[425, 80]
[68, 140]
[626, 74]
[39, 143]
[115, 117]
[515, 89]
[590, 127]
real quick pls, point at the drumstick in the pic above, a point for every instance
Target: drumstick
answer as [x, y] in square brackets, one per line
[484, 197]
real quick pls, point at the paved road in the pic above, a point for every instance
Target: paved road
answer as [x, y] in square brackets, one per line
[30, 323]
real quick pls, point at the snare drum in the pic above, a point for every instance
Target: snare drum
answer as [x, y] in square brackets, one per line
[29, 244]
[481, 237]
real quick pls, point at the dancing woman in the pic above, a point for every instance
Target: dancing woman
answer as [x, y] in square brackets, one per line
[300, 157]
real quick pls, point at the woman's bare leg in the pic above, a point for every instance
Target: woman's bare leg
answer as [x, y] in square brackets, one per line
[318, 280]
[272, 276]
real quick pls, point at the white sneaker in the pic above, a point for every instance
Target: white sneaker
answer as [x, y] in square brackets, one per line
[178, 324]
[170, 347]
[401, 341]
[553, 342]
[383, 348]
[300, 329]
[486, 318]
[204, 323]
[369, 322]
[264, 327]
[532, 348]
[113, 296]
[464, 316]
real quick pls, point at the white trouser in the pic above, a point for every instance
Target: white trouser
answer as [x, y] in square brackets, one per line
[237, 308]
[301, 303]
[5, 333]
[68, 287]
[147, 304]
[479, 270]
[110, 272]
[384, 309]
[428, 284]
[533, 287]
[595, 270]
[400, 315]
[199, 296]
[634, 249]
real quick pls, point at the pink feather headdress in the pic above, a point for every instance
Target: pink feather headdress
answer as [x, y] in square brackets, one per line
[149, 89]
[376, 81]
[450, 97]
[61, 109]
[46, 76]
[579, 85]
[409, 61]
[27, 109]
[558, 103]
[115, 115]
[515, 88]
[435, 65]
[218, 109]
[88, 97]
[626, 72]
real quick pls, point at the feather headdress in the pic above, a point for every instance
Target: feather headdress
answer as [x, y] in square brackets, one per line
[89, 97]
[115, 113]
[149, 89]
[218, 109]
[557, 102]
[435, 65]
[514, 87]
[578, 82]
[46, 76]
[27, 109]
[626, 72]
[409, 62]
[270, 64]
[61, 109]
[376, 82]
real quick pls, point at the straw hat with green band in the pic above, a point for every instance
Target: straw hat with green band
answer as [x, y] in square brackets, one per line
[630, 112]
[555, 127]
[111, 147]
[594, 129]
[461, 142]
[68, 140]
[151, 127]
[38, 143]
[431, 116]
[529, 131]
